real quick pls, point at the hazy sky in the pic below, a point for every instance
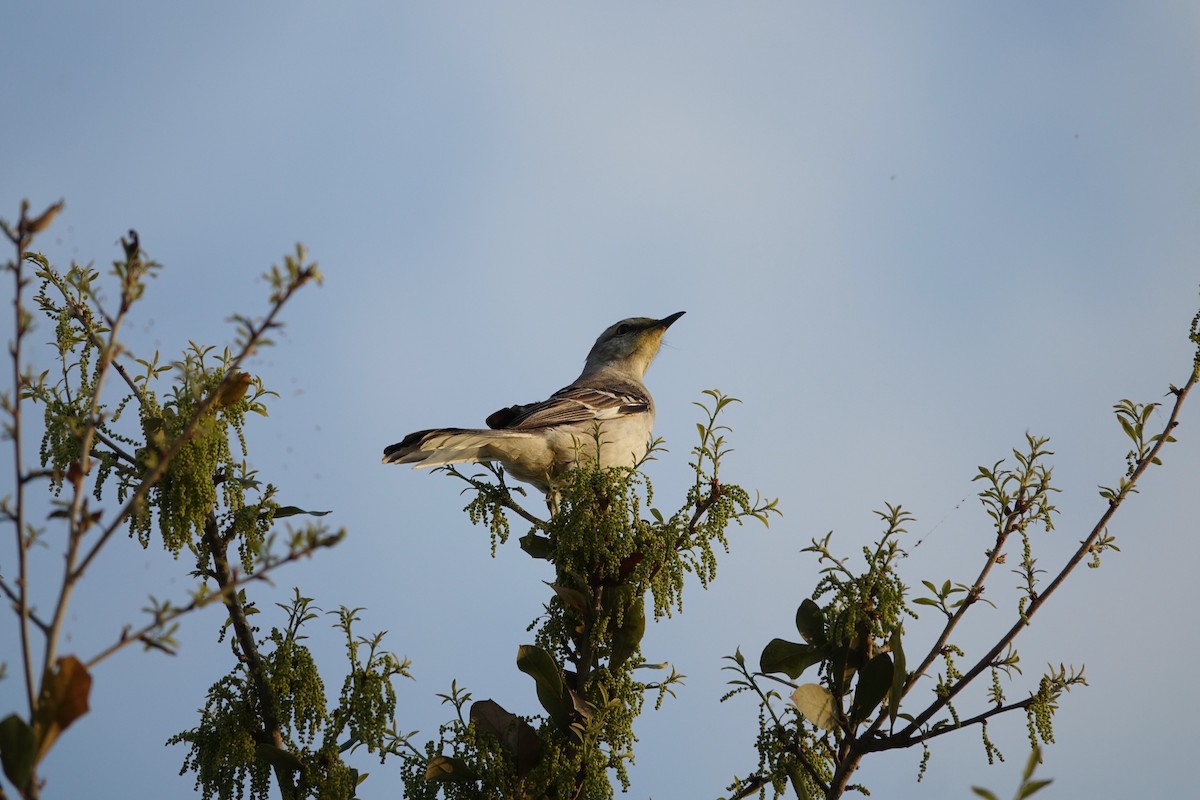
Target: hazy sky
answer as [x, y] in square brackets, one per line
[904, 234]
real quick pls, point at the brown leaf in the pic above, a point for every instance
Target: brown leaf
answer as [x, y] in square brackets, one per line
[515, 734]
[43, 220]
[63, 700]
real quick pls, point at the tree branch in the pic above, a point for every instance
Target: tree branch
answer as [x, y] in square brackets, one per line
[237, 581]
[77, 525]
[15, 597]
[978, 719]
[21, 239]
[1085, 547]
[268, 704]
[256, 335]
[118, 451]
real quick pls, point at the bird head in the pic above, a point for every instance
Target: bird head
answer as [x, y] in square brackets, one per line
[629, 345]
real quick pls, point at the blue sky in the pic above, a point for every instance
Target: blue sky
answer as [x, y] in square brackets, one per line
[904, 236]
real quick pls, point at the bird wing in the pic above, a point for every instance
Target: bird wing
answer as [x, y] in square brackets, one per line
[572, 404]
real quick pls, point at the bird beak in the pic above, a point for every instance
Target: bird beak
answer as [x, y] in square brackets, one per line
[665, 322]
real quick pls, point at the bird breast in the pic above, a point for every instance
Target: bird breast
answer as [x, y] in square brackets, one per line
[623, 441]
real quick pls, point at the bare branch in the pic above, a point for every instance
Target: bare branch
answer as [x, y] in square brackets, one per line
[22, 238]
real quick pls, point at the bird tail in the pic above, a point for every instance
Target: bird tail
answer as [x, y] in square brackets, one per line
[441, 446]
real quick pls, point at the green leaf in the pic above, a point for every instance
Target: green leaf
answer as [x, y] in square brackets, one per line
[810, 622]
[539, 665]
[1031, 787]
[796, 777]
[1035, 758]
[572, 598]
[628, 635]
[984, 793]
[840, 669]
[291, 511]
[816, 704]
[18, 747]
[899, 674]
[537, 546]
[874, 681]
[787, 657]
[38, 259]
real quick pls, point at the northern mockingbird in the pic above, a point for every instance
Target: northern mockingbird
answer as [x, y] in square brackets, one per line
[537, 442]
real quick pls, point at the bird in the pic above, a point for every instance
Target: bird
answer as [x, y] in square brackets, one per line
[537, 443]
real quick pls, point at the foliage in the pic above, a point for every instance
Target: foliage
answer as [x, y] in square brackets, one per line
[226, 755]
[610, 563]
[164, 444]
[157, 448]
[865, 698]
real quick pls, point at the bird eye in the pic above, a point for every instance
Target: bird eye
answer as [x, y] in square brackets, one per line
[622, 330]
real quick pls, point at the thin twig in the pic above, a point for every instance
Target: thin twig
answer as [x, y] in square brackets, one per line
[994, 556]
[702, 508]
[77, 524]
[83, 316]
[21, 240]
[108, 442]
[268, 704]
[1082, 552]
[235, 582]
[202, 408]
[978, 719]
[14, 596]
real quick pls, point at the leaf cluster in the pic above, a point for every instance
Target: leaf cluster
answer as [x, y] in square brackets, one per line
[617, 560]
[232, 753]
[165, 443]
[852, 630]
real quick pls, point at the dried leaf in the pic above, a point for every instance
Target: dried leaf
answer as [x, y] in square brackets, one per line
[816, 704]
[63, 700]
